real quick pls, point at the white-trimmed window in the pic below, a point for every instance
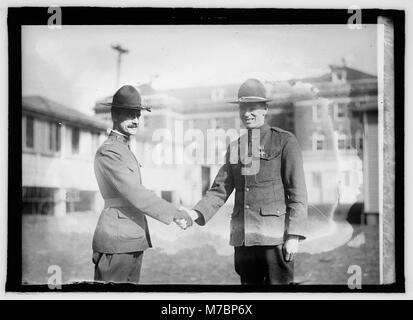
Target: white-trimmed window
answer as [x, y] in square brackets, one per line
[75, 140]
[342, 141]
[54, 137]
[319, 141]
[340, 111]
[29, 132]
[317, 112]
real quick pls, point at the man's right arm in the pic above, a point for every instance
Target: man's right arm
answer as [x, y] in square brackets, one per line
[128, 185]
[217, 195]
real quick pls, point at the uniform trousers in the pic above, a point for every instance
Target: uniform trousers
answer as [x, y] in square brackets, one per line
[118, 267]
[263, 265]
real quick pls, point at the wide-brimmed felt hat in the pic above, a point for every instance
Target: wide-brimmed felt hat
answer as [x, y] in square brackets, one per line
[251, 90]
[127, 97]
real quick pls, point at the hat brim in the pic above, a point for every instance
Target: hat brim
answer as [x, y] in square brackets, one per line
[126, 107]
[248, 100]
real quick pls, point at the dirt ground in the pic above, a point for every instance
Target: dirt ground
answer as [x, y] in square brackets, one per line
[66, 242]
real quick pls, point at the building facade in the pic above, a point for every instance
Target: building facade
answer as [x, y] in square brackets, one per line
[58, 148]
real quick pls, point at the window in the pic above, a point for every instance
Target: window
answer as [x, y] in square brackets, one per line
[342, 141]
[30, 132]
[317, 112]
[54, 136]
[319, 142]
[340, 111]
[75, 140]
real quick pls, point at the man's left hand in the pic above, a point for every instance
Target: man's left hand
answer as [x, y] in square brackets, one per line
[290, 247]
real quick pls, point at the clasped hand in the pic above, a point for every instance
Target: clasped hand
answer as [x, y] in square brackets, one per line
[185, 218]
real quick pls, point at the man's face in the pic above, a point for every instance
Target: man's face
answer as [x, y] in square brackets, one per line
[127, 121]
[252, 114]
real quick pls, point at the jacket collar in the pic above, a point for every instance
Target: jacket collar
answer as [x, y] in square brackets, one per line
[263, 129]
[119, 136]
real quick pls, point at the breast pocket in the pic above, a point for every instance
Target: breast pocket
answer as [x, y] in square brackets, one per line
[270, 167]
[133, 168]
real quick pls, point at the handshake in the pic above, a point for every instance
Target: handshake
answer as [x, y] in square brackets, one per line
[185, 217]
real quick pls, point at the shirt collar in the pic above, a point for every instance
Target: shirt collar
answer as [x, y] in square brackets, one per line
[119, 136]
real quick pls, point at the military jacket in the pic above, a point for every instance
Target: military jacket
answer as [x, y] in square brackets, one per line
[122, 226]
[270, 192]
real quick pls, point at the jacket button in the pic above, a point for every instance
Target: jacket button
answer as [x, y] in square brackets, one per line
[247, 207]
[247, 189]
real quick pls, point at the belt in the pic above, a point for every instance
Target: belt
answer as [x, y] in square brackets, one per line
[117, 203]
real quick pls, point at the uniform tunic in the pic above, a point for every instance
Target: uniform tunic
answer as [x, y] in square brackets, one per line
[122, 226]
[270, 193]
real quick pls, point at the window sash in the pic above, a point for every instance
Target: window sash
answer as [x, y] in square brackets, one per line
[54, 135]
[319, 144]
[75, 140]
[29, 134]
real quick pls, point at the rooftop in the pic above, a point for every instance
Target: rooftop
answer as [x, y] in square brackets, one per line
[53, 110]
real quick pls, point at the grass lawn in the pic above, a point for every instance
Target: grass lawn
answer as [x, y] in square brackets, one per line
[198, 258]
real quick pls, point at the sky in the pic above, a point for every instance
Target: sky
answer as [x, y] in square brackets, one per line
[77, 66]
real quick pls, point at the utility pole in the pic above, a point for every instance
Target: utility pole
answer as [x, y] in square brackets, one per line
[120, 51]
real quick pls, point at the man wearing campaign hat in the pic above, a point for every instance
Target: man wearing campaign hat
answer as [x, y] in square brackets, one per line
[270, 210]
[121, 235]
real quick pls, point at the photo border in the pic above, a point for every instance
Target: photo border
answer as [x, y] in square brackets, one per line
[17, 17]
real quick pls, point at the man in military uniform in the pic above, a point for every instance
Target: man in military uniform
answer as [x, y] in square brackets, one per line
[122, 234]
[270, 208]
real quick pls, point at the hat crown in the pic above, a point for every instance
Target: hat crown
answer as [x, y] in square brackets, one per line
[251, 88]
[127, 96]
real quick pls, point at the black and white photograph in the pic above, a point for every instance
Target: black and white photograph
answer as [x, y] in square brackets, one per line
[242, 155]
